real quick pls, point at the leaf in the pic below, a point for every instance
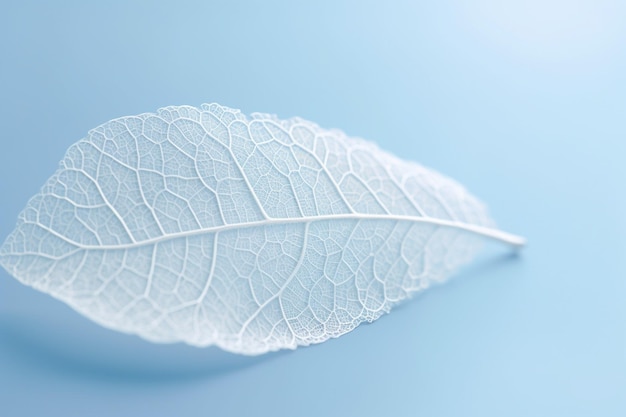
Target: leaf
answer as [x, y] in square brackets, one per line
[252, 234]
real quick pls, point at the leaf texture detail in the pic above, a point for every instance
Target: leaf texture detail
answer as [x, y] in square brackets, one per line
[206, 226]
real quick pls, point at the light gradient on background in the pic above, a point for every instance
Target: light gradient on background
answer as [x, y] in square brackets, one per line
[522, 101]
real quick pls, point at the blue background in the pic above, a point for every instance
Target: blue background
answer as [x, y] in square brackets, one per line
[522, 101]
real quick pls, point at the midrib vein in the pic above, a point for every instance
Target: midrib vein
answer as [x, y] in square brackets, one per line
[489, 233]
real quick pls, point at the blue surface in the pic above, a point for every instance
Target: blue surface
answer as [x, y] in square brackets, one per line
[524, 103]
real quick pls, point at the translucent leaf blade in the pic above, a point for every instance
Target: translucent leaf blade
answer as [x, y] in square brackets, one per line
[255, 234]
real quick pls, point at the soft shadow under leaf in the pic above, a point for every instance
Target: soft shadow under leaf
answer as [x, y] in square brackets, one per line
[92, 352]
